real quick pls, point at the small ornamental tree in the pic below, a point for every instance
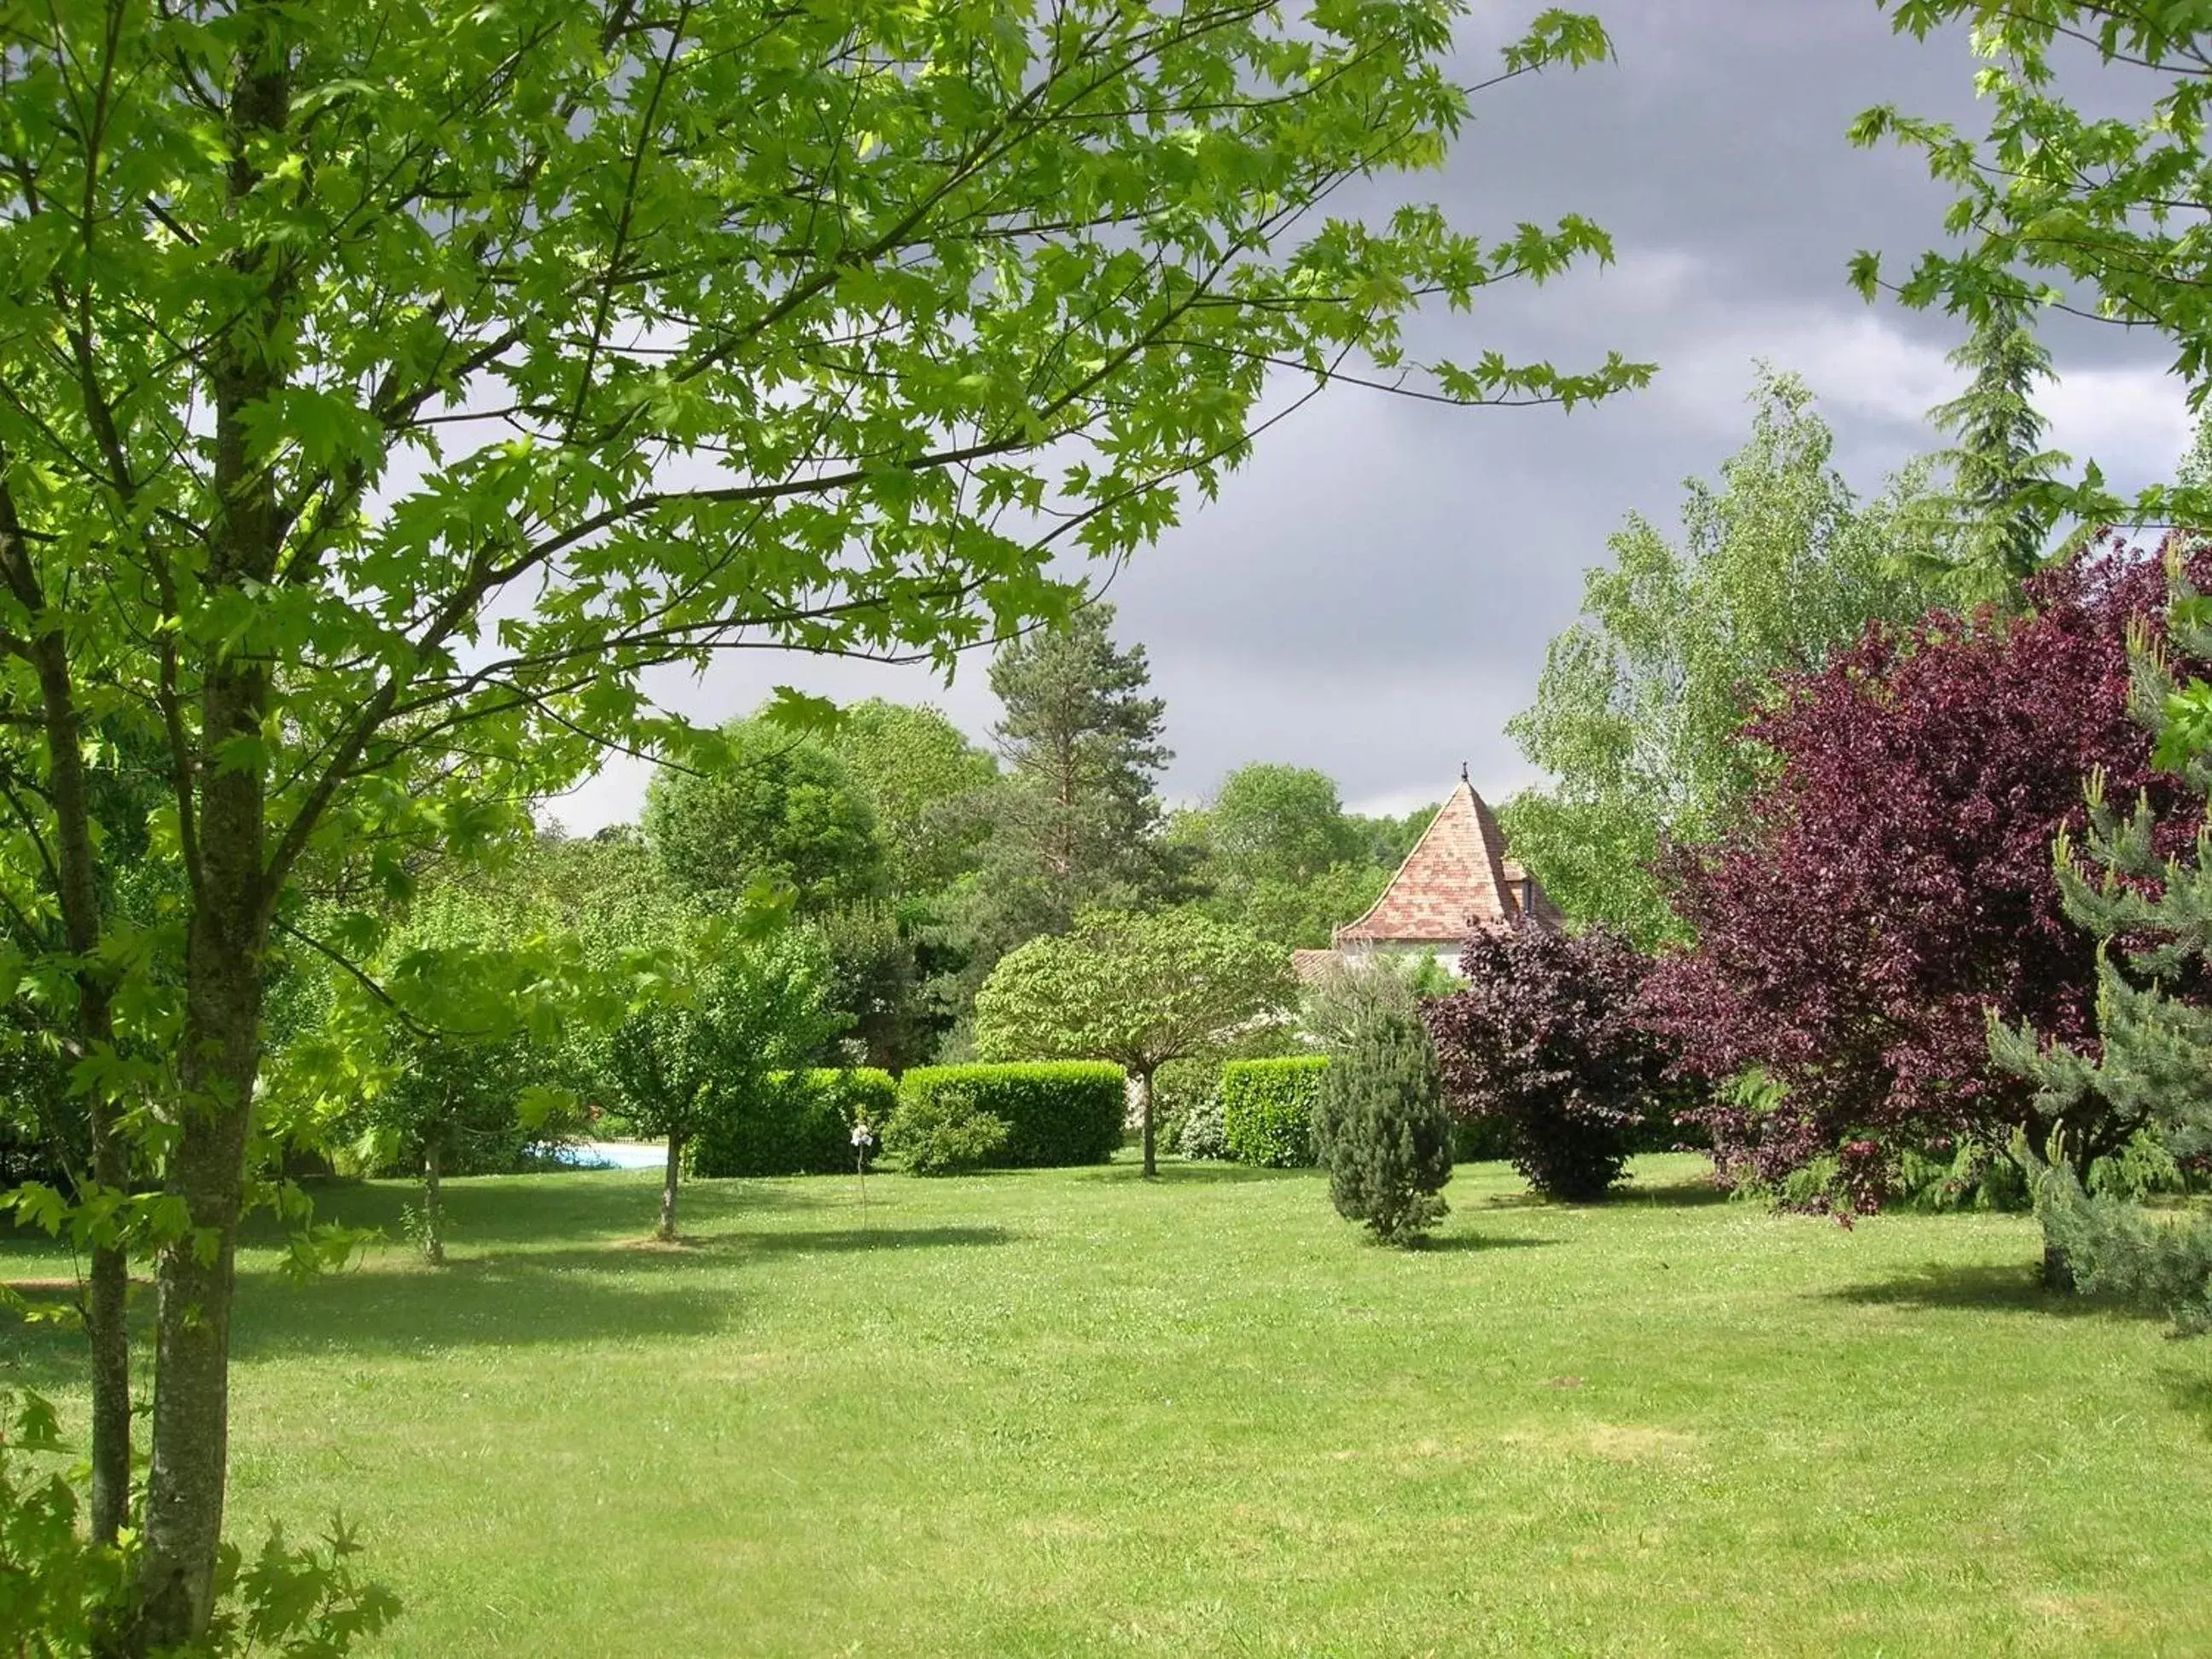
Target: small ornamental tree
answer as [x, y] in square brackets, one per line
[1137, 989]
[1545, 1042]
[733, 1012]
[1890, 891]
[1380, 1126]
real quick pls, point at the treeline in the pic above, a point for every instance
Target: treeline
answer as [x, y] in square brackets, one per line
[823, 887]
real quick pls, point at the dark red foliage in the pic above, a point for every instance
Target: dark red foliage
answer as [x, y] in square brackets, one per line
[1894, 881]
[1545, 1042]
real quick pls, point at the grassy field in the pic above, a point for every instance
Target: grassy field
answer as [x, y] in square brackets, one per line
[1067, 1413]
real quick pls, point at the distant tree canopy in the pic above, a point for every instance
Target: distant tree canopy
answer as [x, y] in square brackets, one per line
[774, 805]
[1075, 820]
[926, 784]
[1276, 822]
[1640, 714]
[1281, 856]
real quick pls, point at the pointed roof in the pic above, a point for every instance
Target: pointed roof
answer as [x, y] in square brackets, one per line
[1456, 879]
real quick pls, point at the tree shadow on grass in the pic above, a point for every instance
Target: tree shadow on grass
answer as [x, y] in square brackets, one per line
[524, 1209]
[1976, 1288]
[1464, 1243]
[491, 1301]
[1202, 1173]
[2190, 1392]
[1671, 1196]
[721, 1248]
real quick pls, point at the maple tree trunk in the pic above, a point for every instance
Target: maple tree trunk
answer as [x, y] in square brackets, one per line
[77, 870]
[207, 1169]
[226, 943]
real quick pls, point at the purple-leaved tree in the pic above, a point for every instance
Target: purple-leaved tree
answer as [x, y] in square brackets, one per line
[1892, 884]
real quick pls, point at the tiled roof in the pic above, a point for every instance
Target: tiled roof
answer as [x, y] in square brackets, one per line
[1311, 965]
[1456, 879]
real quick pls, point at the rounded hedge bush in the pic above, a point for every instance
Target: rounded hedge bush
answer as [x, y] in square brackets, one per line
[1266, 1110]
[1056, 1112]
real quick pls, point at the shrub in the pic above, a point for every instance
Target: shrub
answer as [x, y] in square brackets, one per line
[1888, 888]
[1266, 1110]
[791, 1123]
[1545, 1042]
[1056, 1112]
[943, 1131]
[1184, 1086]
[1204, 1134]
[1379, 1123]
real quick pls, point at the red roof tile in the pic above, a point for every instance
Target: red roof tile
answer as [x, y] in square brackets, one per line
[1456, 879]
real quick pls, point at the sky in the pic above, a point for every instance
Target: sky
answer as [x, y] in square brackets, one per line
[1371, 595]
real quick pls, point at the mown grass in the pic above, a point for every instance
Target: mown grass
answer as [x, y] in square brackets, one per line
[1069, 1412]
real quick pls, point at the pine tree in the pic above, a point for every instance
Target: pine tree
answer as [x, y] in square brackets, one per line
[2002, 479]
[2149, 907]
[1380, 1124]
[1076, 822]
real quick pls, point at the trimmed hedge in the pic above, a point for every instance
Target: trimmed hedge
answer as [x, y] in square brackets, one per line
[1266, 1110]
[791, 1123]
[1056, 1112]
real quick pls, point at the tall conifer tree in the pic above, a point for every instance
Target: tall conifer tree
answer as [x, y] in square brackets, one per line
[1077, 822]
[2002, 481]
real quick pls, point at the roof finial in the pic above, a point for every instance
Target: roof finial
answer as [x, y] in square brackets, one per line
[1463, 772]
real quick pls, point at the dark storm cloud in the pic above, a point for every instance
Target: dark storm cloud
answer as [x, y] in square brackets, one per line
[1372, 594]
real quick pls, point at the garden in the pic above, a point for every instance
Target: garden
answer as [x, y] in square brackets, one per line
[1750, 1192]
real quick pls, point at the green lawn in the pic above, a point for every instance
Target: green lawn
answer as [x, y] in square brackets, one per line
[1068, 1412]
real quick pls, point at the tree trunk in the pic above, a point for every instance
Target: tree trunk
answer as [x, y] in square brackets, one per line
[2057, 1269]
[225, 941]
[207, 1169]
[1145, 1110]
[433, 1212]
[76, 868]
[667, 1233]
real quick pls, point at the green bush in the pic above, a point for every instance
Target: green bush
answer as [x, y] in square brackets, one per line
[944, 1131]
[1266, 1110]
[791, 1123]
[1056, 1112]
[1380, 1124]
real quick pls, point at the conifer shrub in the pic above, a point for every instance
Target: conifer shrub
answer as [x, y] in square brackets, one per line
[1545, 1044]
[797, 1122]
[1379, 1123]
[944, 1131]
[1266, 1110]
[1055, 1112]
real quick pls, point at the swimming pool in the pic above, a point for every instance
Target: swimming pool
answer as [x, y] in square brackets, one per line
[611, 1155]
